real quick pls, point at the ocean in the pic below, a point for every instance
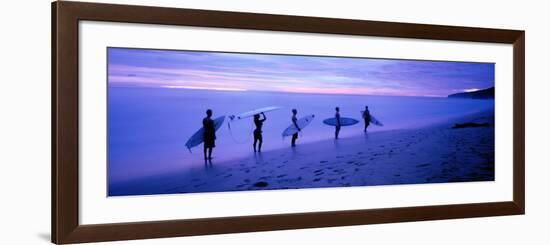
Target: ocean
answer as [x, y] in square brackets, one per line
[148, 127]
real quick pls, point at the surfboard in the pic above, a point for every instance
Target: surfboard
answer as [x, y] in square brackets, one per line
[302, 123]
[373, 120]
[344, 121]
[198, 137]
[254, 112]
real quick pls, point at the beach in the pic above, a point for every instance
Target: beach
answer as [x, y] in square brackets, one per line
[434, 153]
[149, 127]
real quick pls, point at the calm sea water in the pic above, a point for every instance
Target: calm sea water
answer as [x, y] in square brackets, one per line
[148, 127]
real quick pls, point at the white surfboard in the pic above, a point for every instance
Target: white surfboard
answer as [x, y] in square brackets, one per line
[198, 137]
[302, 123]
[254, 112]
[373, 120]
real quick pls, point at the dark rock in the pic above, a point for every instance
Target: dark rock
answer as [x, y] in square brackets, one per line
[470, 125]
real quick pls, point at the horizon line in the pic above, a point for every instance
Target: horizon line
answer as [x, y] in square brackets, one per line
[269, 91]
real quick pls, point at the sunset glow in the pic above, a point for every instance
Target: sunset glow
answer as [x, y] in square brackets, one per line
[295, 74]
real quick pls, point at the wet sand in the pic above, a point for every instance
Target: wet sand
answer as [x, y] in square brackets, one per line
[432, 154]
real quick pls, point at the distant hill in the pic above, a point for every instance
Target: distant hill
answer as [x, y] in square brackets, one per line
[488, 93]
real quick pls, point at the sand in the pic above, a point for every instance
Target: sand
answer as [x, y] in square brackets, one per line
[431, 154]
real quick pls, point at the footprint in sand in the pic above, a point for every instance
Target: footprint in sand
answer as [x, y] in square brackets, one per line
[315, 180]
[261, 184]
[290, 180]
[323, 161]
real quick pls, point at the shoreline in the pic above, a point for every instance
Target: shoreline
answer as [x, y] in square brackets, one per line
[430, 154]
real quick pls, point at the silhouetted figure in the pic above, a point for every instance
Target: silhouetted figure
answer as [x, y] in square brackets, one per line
[295, 122]
[209, 134]
[366, 117]
[338, 125]
[258, 131]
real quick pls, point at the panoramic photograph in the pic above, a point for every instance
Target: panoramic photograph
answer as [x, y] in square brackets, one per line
[202, 121]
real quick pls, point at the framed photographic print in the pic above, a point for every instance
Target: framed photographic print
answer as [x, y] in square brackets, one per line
[175, 122]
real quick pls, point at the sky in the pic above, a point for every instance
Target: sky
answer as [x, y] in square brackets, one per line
[291, 73]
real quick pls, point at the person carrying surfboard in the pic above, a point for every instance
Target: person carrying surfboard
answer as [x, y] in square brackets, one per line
[338, 125]
[258, 131]
[209, 134]
[366, 118]
[294, 121]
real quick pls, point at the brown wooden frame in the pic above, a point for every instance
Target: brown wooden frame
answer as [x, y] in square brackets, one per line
[65, 210]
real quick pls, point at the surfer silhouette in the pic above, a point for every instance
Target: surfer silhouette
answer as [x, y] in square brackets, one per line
[338, 125]
[366, 117]
[209, 134]
[294, 121]
[258, 131]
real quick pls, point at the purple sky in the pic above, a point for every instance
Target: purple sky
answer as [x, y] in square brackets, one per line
[285, 73]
